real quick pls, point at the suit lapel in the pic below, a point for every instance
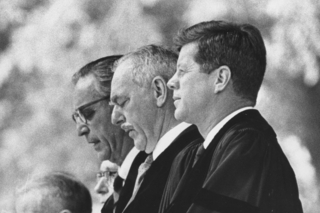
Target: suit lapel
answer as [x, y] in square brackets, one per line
[127, 189]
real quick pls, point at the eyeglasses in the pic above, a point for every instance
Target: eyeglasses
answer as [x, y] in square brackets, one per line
[78, 116]
[106, 174]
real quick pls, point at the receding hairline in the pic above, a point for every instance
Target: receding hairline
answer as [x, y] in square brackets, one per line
[150, 61]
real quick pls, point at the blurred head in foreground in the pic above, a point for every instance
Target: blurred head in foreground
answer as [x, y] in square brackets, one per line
[105, 179]
[52, 193]
[92, 112]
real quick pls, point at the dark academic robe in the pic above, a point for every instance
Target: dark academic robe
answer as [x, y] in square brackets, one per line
[243, 170]
[150, 192]
[126, 190]
[181, 164]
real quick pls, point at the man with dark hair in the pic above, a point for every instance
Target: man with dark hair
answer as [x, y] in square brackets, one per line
[240, 167]
[143, 107]
[93, 113]
[53, 192]
[93, 119]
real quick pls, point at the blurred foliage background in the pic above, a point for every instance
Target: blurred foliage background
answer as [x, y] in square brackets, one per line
[43, 42]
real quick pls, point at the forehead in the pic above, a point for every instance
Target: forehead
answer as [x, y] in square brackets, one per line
[122, 79]
[108, 166]
[187, 54]
[85, 90]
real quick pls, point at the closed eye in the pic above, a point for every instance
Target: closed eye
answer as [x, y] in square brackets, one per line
[88, 113]
[118, 101]
[181, 72]
[112, 174]
[122, 103]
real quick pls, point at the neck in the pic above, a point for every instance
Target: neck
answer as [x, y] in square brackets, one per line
[165, 121]
[218, 113]
[169, 120]
[168, 124]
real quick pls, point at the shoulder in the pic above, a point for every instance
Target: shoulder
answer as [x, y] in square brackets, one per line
[251, 128]
[186, 155]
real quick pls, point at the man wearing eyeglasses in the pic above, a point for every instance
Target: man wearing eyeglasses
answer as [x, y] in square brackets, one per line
[93, 113]
[105, 178]
[92, 116]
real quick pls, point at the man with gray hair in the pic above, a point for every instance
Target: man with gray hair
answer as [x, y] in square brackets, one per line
[92, 116]
[143, 107]
[53, 192]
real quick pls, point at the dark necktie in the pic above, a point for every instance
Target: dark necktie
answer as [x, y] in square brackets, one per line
[143, 168]
[111, 201]
[200, 151]
[117, 184]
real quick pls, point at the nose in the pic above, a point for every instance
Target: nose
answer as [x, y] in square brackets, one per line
[82, 129]
[117, 117]
[101, 187]
[173, 82]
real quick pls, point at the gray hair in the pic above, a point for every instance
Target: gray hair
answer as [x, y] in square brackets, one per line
[150, 61]
[101, 69]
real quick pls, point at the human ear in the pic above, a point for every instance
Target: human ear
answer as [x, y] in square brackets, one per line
[223, 76]
[159, 90]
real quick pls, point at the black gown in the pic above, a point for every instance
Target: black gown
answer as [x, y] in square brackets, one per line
[242, 170]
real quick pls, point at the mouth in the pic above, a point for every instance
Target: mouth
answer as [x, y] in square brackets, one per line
[175, 98]
[94, 144]
[93, 141]
[126, 128]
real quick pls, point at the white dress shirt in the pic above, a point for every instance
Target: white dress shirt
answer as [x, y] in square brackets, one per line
[168, 138]
[219, 126]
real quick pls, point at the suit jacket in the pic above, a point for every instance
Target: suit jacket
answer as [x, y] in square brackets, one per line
[127, 189]
[150, 192]
[242, 170]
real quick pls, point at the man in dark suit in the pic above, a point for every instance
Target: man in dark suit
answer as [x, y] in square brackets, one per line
[92, 116]
[143, 107]
[240, 167]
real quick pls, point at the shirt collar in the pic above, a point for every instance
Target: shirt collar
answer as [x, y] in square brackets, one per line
[217, 127]
[168, 138]
[126, 164]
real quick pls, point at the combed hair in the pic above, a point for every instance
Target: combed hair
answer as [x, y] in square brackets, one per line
[102, 71]
[63, 188]
[238, 46]
[150, 61]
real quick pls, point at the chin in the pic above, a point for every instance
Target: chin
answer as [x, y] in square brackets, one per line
[104, 156]
[140, 146]
[179, 115]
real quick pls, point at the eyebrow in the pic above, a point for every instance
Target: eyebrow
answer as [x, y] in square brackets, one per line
[92, 102]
